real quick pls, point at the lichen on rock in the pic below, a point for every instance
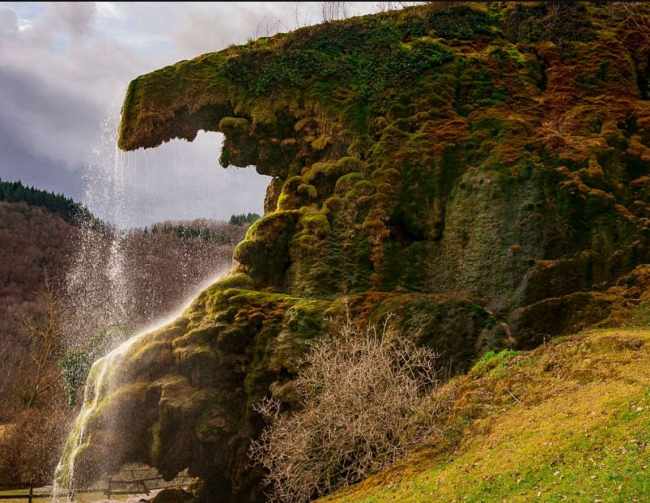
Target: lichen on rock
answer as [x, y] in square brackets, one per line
[479, 171]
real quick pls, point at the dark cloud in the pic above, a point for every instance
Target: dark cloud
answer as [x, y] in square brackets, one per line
[45, 118]
[19, 162]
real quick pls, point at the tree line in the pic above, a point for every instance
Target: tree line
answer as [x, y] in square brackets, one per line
[243, 219]
[68, 209]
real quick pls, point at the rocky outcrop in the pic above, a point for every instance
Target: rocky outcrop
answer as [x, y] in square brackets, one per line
[480, 172]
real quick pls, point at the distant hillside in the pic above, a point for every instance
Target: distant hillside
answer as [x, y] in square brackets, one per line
[70, 211]
[41, 240]
[37, 246]
[204, 229]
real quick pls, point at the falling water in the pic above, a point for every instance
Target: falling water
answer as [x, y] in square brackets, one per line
[96, 283]
[99, 290]
[98, 386]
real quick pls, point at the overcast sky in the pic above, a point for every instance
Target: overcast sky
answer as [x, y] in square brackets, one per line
[64, 68]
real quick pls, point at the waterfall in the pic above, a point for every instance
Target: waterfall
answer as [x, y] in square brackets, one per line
[98, 386]
[96, 284]
[99, 293]
[103, 319]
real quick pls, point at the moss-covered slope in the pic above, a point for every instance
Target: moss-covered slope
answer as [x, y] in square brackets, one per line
[569, 421]
[480, 171]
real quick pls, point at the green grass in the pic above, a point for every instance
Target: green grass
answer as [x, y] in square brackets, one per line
[493, 361]
[577, 428]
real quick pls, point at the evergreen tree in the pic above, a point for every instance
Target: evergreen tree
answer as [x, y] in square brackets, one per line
[16, 192]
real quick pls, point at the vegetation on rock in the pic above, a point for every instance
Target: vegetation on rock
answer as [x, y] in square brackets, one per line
[479, 170]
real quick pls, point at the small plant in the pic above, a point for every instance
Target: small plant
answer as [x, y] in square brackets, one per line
[74, 370]
[76, 362]
[364, 402]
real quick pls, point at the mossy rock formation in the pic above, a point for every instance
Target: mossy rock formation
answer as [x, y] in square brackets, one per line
[481, 172]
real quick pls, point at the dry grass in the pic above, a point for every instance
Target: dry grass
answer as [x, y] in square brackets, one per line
[568, 421]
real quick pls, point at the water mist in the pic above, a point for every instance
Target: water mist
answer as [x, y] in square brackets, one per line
[101, 298]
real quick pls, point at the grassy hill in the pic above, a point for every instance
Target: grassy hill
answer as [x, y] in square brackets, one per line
[568, 421]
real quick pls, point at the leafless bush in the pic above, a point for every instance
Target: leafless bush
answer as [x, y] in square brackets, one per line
[29, 443]
[389, 6]
[332, 11]
[629, 13]
[364, 402]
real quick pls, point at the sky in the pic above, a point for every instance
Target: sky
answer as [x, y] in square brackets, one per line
[64, 68]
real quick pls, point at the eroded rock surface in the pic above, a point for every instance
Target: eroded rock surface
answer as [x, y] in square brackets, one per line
[481, 172]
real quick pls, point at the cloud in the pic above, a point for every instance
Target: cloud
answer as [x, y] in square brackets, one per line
[8, 22]
[64, 68]
[20, 162]
[45, 117]
[75, 18]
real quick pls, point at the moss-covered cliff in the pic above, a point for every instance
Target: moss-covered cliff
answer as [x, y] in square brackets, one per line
[480, 171]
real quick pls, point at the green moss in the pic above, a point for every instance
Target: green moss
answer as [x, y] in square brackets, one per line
[315, 223]
[233, 125]
[535, 22]
[235, 280]
[264, 251]
[462, 22]
[359, 189]
[345, 183]
[320, 143]
[324, 175]
[493, 363]
[308, 191]
[427, 163]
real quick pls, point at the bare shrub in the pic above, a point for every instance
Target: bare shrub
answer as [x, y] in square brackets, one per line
[364, 402]
[29, 443]
[333, 11]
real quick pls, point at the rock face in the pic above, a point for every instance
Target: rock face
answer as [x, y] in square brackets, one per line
[480, 172]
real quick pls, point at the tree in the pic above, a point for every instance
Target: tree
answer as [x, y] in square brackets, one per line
[39, 371]
[72, 212]
[332, 11]
[244, 219]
